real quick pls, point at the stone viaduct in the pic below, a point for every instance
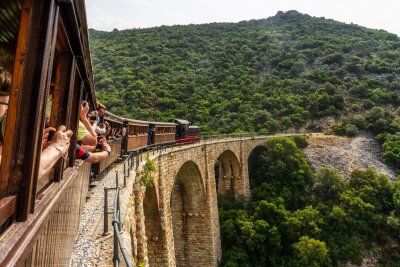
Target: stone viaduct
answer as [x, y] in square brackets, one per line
[175, 222]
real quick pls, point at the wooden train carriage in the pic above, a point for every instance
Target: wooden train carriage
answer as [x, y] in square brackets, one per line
[163, 132]
[136, 135]
[115, 154]
[115, 140]
[51, 74]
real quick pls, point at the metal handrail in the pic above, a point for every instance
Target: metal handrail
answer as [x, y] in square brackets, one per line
[116, 222]
[208, 138]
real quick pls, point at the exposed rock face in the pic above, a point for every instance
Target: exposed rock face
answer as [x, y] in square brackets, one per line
[345, 154]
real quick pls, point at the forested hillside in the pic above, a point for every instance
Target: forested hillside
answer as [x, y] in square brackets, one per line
[261, 75]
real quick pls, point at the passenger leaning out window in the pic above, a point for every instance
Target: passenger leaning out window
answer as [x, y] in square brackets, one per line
[87, 136]
[95, 157]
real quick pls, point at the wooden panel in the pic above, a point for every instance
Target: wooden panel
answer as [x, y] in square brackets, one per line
[48, 236]
[164, 138]
[34, 149]
[115, 154]
[7, 208]
[136, 142]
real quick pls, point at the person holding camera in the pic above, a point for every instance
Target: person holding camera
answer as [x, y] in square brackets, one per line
[87, 136]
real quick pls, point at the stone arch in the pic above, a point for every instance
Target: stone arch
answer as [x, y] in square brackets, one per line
[189, 215]
[252, 160]
[227, 172]
[152, 226]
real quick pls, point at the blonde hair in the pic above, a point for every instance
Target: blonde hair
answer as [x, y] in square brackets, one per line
[100, 105]
[5, 82]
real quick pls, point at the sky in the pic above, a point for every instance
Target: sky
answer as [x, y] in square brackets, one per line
[107, 15]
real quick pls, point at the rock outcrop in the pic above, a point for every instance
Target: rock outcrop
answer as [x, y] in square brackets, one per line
[345, 154]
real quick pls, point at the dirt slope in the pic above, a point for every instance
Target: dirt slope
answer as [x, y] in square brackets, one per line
[345, 154]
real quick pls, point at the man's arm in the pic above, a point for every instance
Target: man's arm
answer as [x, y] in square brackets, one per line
[54, 150]
[97, 157]
[93, 157]
[83, 117]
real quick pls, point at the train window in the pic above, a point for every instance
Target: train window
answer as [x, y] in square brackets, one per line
[57, 97]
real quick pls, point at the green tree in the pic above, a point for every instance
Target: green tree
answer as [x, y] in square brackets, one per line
[328, 185]
[391, 150]
[311, 252]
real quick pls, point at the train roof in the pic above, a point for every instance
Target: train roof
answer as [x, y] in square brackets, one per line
[113, 117]
[137, 122]
[158, 123]
[179, 121]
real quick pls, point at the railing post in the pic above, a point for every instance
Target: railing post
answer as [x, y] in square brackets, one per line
[116, 259]
[105, 228]
[119, 211]
[124, 177]
[116, 179]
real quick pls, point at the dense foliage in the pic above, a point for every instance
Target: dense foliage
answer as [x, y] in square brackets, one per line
[262, 75]
[300, 218]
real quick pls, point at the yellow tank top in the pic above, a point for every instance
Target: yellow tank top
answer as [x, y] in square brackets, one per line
[82, 132]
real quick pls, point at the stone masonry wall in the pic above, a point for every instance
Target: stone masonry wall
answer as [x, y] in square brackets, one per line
[182, 227]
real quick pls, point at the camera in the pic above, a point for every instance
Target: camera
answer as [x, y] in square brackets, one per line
[51, 134]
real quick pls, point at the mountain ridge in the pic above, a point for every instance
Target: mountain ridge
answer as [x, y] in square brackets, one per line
[260, 75]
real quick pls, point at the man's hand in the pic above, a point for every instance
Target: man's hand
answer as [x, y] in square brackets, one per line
[84, 109]
[61, 138]
[46, 133]
[106, 147]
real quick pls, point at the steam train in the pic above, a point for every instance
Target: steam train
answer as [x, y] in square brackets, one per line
[137, 135]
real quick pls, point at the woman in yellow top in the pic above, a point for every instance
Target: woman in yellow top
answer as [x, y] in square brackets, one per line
[87, 136]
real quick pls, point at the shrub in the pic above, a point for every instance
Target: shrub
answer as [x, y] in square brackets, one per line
[311, 252]
[300, 140]
[338, 129]
[351, 130]
[146, 176]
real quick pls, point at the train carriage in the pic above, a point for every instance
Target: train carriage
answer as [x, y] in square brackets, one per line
[162, 133]
[137, 135]
[44, 46]
[114, 138]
